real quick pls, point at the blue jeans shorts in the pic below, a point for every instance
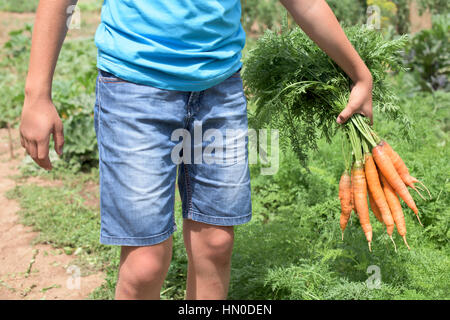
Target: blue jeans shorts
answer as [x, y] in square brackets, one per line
[146, 135]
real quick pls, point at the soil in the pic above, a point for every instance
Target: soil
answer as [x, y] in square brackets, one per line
[28, 270]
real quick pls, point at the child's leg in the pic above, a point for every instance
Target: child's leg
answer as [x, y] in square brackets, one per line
[142, 271]
[215, 189]
[209, 251]
[134, 124]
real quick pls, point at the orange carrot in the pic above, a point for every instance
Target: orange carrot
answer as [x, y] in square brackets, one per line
[387, 169]
[376, 211]
[396, 208]
[345, 196]
[353, 196]
[373, 182]
[402, 169]
[360, 198]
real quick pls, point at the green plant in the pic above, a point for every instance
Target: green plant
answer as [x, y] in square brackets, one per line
[265, 13]
[401, 19]
[388, 11]
[18, 5]
[435, 6]
[14, 56]
[349, 12]
[428, 56]
[297, 88]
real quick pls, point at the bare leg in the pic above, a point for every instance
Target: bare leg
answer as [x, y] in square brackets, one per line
[209, 250]
[142, 271]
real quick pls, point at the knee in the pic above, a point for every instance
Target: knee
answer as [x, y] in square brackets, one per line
[142, 274]
[219, 248]
[143, 271]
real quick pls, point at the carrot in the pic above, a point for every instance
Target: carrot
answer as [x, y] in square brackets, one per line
[360, 198]
[396, 208]
[402, 169]
[345, 196]
[373, 182]
[376, 211]
[353, 197]
[387, 169]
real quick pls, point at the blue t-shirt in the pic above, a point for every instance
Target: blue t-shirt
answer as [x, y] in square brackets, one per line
[187, 45]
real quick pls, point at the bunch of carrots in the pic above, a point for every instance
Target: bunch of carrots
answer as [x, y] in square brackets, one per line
[375, 171]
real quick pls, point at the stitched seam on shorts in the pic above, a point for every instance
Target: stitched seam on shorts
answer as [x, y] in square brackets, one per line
[169, 231]
[99, 144]
[198, 213]
[188, 191]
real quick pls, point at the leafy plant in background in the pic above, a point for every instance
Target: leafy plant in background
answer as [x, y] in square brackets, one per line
[349, 12]
[388, 11]
[31, 5]
[74, 97]
[265, 13]
[401, 21]
[18, 5]
[428, 56]
[269, 13]
[14, 63]
[435, 6]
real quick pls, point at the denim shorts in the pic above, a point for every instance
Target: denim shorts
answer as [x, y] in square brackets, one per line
[146, 136]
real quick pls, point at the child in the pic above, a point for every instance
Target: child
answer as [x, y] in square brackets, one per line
[166, 66]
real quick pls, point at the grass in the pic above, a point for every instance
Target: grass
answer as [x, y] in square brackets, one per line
[63, 219]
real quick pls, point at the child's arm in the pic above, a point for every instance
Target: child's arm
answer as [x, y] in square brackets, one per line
[39, 117]
[318, 21]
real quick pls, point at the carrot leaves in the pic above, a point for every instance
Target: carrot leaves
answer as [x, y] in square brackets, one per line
[298, 89]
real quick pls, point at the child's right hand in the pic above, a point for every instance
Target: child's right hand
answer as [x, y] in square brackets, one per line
[40, 119]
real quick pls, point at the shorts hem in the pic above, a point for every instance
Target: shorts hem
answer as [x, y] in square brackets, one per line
[137, 241]
[217, 221]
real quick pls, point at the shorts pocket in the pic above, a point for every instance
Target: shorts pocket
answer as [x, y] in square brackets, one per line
[237, 74]
[107, 77]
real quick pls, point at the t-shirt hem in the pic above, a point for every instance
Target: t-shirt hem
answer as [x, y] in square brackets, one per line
[125, 73]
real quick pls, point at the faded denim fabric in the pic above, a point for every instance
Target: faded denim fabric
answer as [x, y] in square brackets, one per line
[137, 128]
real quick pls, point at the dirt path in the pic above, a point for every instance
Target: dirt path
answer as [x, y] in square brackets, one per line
[30, 271]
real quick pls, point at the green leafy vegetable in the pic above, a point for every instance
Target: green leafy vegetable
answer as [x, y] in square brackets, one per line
[297, 88]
